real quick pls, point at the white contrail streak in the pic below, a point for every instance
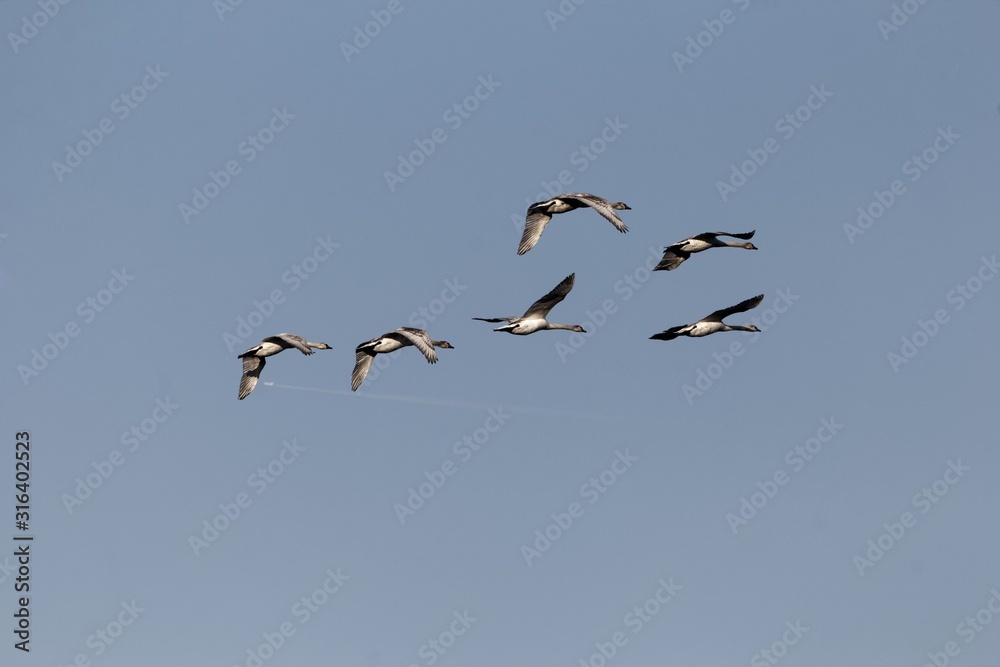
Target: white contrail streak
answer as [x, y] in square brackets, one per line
[448, 403]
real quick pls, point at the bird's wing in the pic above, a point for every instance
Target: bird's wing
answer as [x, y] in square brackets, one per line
[534, 225]
[669, 334]
[706, 237]
[673, 256]
[497, 319]
[368, 344]
[741, 307]
[601, 205]
[252, 367]
[542, 307]
[362, 363]
[420, 340]
[742, 235]
[291, 340]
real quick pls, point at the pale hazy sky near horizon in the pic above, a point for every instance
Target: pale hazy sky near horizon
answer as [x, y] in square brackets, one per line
[182, 181]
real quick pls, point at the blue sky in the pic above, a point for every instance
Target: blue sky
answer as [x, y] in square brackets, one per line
[181, 182]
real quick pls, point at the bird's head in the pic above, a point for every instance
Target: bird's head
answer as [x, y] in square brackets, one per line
[621, 206]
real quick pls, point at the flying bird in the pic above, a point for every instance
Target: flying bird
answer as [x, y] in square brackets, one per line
[713, 323]
[675, 254]
[541, 212]
[534, 318]
[255, 357]
[365, 353]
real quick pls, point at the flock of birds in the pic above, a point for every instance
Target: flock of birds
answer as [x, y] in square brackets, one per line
[535, 317]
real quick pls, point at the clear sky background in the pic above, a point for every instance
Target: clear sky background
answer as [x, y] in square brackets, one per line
[123, 294]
